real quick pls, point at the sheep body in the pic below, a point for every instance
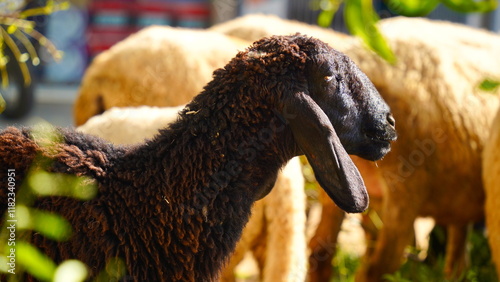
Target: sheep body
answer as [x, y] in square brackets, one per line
[174, 207]
[491, 178]
[443, 120]
[277, 224]
[113, 79]
[130, 125]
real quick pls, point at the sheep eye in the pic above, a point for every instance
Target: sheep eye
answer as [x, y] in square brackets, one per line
[328, 78]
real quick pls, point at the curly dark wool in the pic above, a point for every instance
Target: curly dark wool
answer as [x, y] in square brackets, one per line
[174, 208]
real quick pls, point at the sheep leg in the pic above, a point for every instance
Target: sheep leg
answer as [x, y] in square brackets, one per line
[370, 227]
[455, 251]
[286, 219]
[324, 242]
[394, 236]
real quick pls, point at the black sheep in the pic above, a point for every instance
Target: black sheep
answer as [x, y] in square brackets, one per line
[174, 207]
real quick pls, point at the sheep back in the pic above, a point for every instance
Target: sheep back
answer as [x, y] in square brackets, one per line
[157, 66]
[130, 125]
[255, 26]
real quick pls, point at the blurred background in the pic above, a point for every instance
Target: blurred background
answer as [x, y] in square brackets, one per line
[81, 29]
[86, 28]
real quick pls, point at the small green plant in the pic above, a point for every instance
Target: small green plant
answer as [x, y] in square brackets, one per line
[344, 266]
[480, 268]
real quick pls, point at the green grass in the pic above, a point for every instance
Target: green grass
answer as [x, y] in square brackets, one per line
[480, 268]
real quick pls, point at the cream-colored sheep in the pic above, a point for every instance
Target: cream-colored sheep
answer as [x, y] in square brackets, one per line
[491, 178]
[255, 26]
[276, 230]
[130, 125]
[157, 66]
[443, 120]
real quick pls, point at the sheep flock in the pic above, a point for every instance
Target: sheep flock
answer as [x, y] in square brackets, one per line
[233, 185]
[174, 206]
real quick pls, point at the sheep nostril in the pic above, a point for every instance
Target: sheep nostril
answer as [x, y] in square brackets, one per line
[391, 120]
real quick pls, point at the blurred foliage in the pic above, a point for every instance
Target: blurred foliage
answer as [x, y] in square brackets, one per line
[71, 270]
[489, 85]
[480, 268]
[17, 32]
[361, 19]
[344, 266]
[2, 104]
[28, 220]
[412, 8]
[115, 271]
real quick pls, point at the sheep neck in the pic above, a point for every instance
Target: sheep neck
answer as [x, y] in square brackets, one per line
[215, 171]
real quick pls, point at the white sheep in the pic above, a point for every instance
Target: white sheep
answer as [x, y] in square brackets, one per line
[157, 66]
[443, 120]
[255, 26]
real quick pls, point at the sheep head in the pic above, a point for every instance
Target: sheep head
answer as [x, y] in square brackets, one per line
[332, 109]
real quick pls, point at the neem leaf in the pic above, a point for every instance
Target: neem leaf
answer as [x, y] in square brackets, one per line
[412, 8]
[489, 85]
[361, 21]
[51, 225]
[34, 261]
[471, 6]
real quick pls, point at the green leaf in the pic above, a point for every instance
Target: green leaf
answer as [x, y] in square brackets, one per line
[34, 261]
[328, 10]
[59, 184]
[2, 104]
[412, 8]
[471, 6]
[489, 85]
[71, 271]
[361, 21]
[51, 225]
[325, 18]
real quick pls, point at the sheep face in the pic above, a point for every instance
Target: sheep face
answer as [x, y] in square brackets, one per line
[332, 110]
[359, 115]
[359, 121]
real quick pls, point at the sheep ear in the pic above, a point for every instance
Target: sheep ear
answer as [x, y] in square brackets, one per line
[316, 137]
